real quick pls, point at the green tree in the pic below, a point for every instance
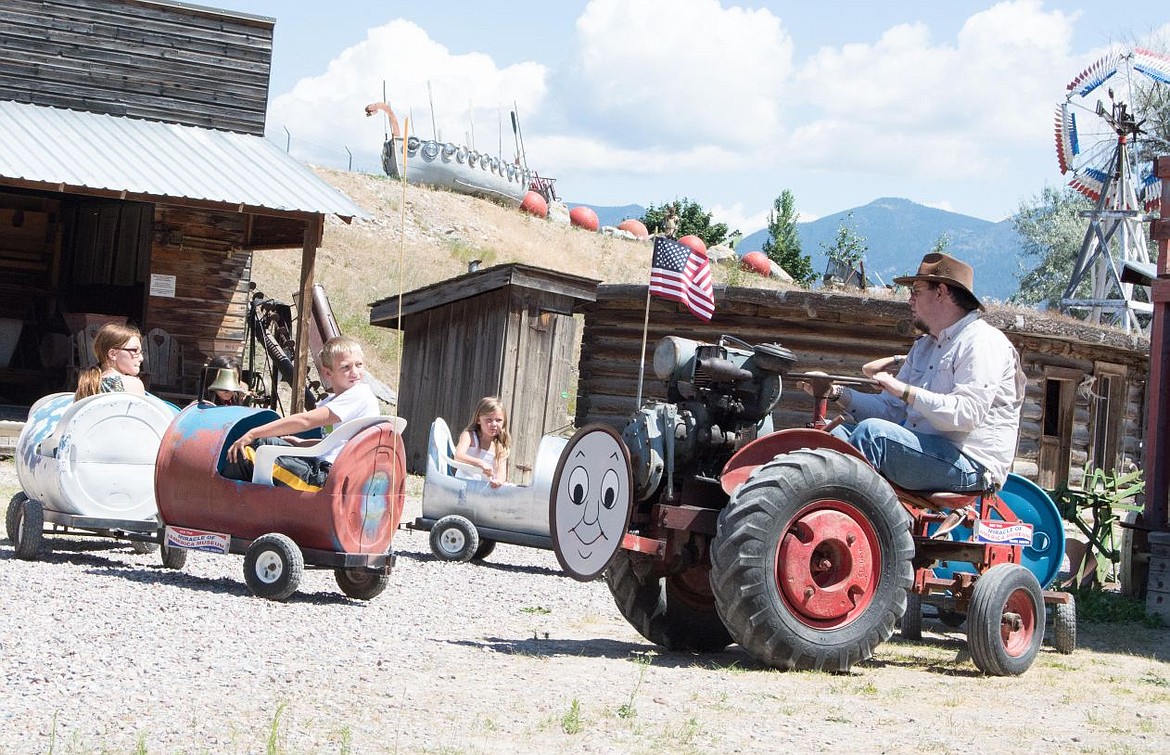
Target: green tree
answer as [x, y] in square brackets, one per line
[941, 244]
[693, 221]
[1052, 230]
[783, 243]
[846, 255]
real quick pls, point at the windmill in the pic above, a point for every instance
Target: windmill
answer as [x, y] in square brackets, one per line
[1109, 154]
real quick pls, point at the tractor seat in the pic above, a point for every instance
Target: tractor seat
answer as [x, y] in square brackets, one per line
[941, 500]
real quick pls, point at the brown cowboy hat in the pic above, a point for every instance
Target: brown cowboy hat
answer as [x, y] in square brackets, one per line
[943, 268]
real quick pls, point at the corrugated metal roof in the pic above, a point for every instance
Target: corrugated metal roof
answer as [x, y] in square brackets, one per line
[79, 151]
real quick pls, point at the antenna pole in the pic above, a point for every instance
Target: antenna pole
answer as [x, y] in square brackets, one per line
[431, 100]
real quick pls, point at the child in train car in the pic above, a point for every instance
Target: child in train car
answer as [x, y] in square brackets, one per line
[118, 350]
[343, 365]
[485, 442]
[225, 388]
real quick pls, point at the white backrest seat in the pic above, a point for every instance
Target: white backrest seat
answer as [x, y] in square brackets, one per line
[266, 456]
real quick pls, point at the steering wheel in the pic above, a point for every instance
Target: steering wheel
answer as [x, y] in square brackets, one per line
[821, 383]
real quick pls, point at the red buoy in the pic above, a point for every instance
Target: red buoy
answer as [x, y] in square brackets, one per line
[636, 227]
[694, 243]
[756, 262]
[584, 217]
[534, 204]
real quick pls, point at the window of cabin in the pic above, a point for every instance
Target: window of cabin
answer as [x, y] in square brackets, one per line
[1056, 425]
[1107, 409]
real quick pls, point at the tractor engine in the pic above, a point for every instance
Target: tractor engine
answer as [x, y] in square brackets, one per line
[719, 396]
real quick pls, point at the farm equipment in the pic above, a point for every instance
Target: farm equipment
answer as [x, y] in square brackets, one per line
[791, 544]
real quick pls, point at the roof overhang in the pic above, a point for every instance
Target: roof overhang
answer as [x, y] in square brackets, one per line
[91, 154]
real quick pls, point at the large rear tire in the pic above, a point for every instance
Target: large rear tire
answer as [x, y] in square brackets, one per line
[675, 612]
[1005, 625]
[812, 561]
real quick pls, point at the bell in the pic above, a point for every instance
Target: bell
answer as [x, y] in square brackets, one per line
[225, 380]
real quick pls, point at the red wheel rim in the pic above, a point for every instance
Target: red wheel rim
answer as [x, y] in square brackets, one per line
[1017, 625]
[827, 564]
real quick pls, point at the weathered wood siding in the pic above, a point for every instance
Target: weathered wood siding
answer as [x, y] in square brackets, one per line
[207, 313]
[503, 342]
[155, 60]
[838, 333]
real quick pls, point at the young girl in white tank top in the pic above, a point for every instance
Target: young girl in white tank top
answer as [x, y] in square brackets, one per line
[485, 442]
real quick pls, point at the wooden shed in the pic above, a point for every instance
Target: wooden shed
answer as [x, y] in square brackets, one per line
[504, 331]
[136, 182]
[1086, 384]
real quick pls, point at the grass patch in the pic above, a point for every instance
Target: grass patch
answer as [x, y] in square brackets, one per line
[1103, 607]
[571, 722]
[541, 610]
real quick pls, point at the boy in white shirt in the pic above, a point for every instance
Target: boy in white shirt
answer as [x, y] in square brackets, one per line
[343, 365]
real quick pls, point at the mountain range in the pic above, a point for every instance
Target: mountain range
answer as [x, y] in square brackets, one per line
[897, 233]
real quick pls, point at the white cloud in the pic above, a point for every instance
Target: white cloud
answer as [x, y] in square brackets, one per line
[684, 71]
[469, 93]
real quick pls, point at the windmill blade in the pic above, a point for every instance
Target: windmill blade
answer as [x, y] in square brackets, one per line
[1090, 182]
[1067, 146]
[1152, 64]
[1095, 75]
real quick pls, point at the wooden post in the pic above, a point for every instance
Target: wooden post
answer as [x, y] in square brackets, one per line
[1158, 422]
[314, 228]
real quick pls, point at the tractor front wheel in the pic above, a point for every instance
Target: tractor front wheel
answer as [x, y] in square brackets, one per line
[1006, 622]
[676, 612]
[812, 561]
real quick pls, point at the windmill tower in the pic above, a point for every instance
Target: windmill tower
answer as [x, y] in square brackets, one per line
[1110, 165]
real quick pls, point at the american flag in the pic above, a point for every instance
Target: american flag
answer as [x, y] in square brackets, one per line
[682, 274]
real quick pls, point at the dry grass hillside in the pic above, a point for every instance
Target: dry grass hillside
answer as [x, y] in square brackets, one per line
[432, 239]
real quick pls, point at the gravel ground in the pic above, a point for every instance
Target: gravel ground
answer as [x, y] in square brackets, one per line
[102, 650]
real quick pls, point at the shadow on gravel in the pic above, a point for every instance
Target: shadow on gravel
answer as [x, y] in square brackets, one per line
[509, 568]
[539, 647]
[157, 574]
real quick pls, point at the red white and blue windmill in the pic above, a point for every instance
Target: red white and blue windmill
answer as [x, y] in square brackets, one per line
[1108, 149]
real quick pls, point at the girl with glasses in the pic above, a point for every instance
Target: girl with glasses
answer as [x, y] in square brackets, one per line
[118, 349]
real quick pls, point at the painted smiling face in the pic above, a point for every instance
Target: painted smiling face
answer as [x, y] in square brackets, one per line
[590, 502]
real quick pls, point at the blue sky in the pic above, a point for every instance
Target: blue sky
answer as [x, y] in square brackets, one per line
[946, 103]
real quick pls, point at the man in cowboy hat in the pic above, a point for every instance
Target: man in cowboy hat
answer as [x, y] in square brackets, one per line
[948, 417]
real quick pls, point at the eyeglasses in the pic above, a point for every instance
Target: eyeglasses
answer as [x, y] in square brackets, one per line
[131, 352]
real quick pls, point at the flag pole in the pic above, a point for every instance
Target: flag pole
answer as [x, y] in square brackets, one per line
[642, 353]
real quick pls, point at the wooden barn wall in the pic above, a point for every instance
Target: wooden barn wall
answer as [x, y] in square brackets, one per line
[835, 333]
[538, 361]
[206, 315]
[826, 332]
[179, 64]
[452, 356]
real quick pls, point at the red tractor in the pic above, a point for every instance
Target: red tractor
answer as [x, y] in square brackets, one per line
[791, 544]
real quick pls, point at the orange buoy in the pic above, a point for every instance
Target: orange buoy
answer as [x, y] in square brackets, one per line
[634, 226]
[584, 217]
[534, 204]
[694, 243]
[756, 262]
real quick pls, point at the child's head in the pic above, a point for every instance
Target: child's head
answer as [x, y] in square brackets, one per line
[118, 348]
[342, 362]
[225, 387]
[490, 421]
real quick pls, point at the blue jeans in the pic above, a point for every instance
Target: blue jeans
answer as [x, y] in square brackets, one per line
[913, 461]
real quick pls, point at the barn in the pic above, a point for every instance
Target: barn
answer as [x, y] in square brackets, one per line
[136, 184]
